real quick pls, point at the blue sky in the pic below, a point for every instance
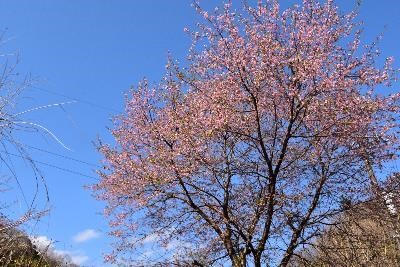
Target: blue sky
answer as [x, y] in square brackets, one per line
[92, 52]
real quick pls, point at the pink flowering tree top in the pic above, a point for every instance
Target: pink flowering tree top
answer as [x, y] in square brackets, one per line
[246, 154]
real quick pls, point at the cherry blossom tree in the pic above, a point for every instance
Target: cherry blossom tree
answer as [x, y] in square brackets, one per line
[247, 153]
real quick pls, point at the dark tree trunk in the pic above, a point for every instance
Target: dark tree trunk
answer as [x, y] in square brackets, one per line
[239, 260]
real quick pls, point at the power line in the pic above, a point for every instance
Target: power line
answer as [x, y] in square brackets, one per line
[78, 100]
[49, 165]
[63, 156]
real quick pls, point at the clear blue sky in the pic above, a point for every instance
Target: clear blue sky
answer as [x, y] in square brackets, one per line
[93, 51]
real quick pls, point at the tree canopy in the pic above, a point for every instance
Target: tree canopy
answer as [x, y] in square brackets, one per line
[247, 153]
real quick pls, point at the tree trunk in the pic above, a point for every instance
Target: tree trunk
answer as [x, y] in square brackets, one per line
[239, 260]
[257, 261]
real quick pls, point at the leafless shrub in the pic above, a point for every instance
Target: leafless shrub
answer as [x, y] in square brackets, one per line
[16, 249]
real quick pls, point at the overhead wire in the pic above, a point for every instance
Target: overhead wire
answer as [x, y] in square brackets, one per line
[49, 165]
[78, 100]
[63, 156]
